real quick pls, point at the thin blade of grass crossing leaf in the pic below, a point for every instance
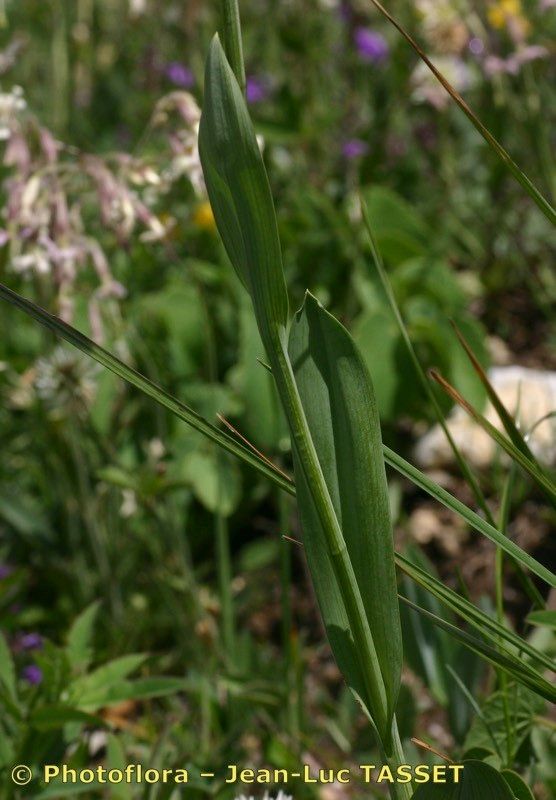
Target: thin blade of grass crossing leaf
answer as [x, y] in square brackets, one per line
[494, 144]
[505, 417]
[483, 623]
[437, 492]
[387, 286]
[500, 658]
[340, 408]
[186, 414]
[531, 467]
[139, 381]
[240, 195]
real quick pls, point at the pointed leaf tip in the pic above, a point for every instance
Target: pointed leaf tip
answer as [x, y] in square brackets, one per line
[240, 194]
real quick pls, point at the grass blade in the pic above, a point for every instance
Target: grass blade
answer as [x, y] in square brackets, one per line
[494, 144]
[164, 398]
[531, 467]
[152, 390]
[483, 623]
[425, 384]
[501, 658]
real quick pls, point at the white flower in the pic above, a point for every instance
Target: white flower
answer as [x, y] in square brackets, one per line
[11, 104]
[426, 87]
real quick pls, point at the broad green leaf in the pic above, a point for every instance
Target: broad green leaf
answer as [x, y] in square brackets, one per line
[240, 196]
[500, 657]
[231, 445]
[123, 690]
[79, 642]
[522, 705]
[7, 667]
[116, 759]
[340, 408]
[543, 618]
[104, 676]
[54, 717]
[517, 785]
[400, 231]
[215, 480]
[477, 781]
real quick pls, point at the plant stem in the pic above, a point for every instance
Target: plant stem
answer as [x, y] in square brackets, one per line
[306, 455]
[399, 791]
[232, 40]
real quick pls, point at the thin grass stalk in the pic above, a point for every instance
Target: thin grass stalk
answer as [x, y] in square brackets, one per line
[247, 455]
[519, 175]
[425, 384]
[286, 614]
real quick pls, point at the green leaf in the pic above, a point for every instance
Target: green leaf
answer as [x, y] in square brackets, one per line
[122, 690]
[340, 409]
[104, 677]
[116, 759]
[54, 717]
[215, 480]
[78, 647]
[492, 732]
[519, 788]
[7, 667]
[478, 781]
[240, 196]
[545, 619]
[400, 231]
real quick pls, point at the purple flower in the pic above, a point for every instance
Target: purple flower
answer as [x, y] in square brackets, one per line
[30, 641]
[256, 90]
[355, 148]
[372, 46]
[32, 674]
[5, 571]
[179, 75]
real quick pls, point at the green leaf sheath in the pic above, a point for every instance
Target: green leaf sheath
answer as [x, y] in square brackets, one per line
[240, 196]
[340, 408]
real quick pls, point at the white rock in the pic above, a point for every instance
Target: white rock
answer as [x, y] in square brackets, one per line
[529, 394]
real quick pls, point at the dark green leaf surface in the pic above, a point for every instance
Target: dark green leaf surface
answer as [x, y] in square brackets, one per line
[478, 781]
[240, 195]
[340, 408]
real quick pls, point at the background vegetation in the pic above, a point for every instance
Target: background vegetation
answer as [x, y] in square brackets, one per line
[121, 530]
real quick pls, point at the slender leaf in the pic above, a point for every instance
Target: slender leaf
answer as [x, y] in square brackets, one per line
[227, 442]
[79, 642]
[505, 417]
[493, 143]
[240, 195]
[7, 667]
[108, 360]
[487, 626]
[529, 466]
[501, 658]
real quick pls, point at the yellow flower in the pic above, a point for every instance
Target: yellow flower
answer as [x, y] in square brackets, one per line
[505, 11]
[203, 217]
